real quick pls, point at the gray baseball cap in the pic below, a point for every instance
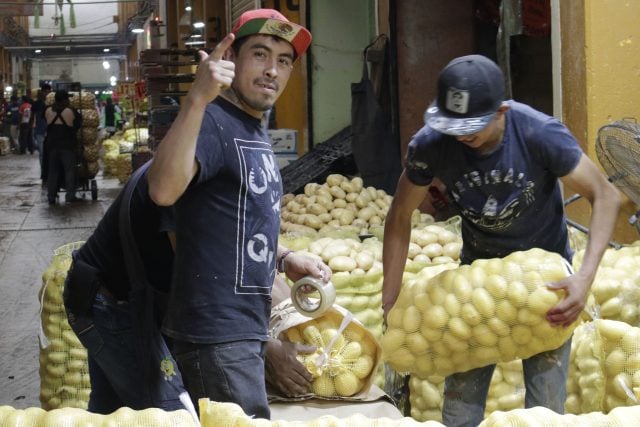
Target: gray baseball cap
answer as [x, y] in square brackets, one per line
[470, 91]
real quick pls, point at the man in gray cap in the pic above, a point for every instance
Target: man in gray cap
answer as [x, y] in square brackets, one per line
[502, 163]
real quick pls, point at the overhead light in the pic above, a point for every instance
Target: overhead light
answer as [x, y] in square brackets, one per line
[38, 51]
[194, 42]
[137, 30]
[187, 6]
[198, 24]
[8, 88]
[106, 49]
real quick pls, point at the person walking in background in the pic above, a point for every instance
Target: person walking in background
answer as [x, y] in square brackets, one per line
[61, 145]
[217, 166]
[40, 124]
[111, 113]
[26, 125]
[13, 111]
[501, 163]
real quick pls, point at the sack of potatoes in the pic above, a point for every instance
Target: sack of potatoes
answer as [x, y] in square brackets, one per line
[346, 355]
[490, 311]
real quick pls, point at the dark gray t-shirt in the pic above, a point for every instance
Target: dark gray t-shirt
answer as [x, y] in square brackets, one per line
[227, 225]
[509, 199]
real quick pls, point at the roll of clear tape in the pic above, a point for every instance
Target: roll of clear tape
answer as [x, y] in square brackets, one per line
[312, 297]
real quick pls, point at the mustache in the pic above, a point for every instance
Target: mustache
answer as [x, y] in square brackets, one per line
[272, 84]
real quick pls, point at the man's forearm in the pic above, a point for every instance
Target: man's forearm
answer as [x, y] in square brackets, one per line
[174, 163]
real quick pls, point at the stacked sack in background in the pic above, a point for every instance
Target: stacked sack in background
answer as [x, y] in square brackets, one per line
[118, 150]
[64, 371]
[85, 103]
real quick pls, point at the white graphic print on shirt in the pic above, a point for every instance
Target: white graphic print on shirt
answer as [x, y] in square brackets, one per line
[484, 207]
[259, 190]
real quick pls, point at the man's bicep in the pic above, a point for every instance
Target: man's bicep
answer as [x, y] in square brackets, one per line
[409, 195]
[585, 179]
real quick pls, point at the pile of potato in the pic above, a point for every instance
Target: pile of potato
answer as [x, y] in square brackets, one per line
[432, 244]
[490, 311]
[340, 207]
[64, 372]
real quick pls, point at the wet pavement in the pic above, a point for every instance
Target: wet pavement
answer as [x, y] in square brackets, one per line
[30, 230]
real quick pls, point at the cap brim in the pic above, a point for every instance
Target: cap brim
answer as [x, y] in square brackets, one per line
[297, 35]
[454, 125]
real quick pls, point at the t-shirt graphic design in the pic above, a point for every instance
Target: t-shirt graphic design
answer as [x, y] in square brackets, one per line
[259, 175]
[493, 200]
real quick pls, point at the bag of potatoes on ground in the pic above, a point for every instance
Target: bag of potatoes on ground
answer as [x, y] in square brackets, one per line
[64, 370]
[215, 414]
[490, 311]
[75, 417]
[347, 354]
[616, 287]
[604, 370]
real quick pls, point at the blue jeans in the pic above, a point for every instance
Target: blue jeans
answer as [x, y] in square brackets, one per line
[117, 377]
[228, 372]
[545, 380]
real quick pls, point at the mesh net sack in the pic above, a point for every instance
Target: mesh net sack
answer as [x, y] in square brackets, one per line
[488, 312]
[347, 354]
[75, 417]
[136, 135]
[506, 392]
[616, 287]
[425, 397]
[91, 151]
[216, 414]
[605, 367]
[82, 100]
[90, 117]
[64, 372]
[87, 135]
[540, 416]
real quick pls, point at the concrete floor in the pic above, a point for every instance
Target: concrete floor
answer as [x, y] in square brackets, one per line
[30, 230]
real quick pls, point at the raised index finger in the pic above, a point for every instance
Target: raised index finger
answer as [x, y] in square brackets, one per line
[221, 48]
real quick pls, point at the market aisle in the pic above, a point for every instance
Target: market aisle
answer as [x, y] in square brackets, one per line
[30, 230]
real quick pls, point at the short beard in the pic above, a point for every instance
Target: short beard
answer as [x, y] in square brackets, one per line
[264, 107]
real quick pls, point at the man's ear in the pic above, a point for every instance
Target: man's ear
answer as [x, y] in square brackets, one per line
[504, 107]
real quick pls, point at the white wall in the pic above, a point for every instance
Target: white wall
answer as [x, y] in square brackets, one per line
[88, 71]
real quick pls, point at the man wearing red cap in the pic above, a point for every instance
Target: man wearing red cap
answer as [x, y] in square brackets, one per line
[217, 167]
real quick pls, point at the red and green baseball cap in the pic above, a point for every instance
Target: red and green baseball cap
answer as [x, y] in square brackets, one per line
[273, 23]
